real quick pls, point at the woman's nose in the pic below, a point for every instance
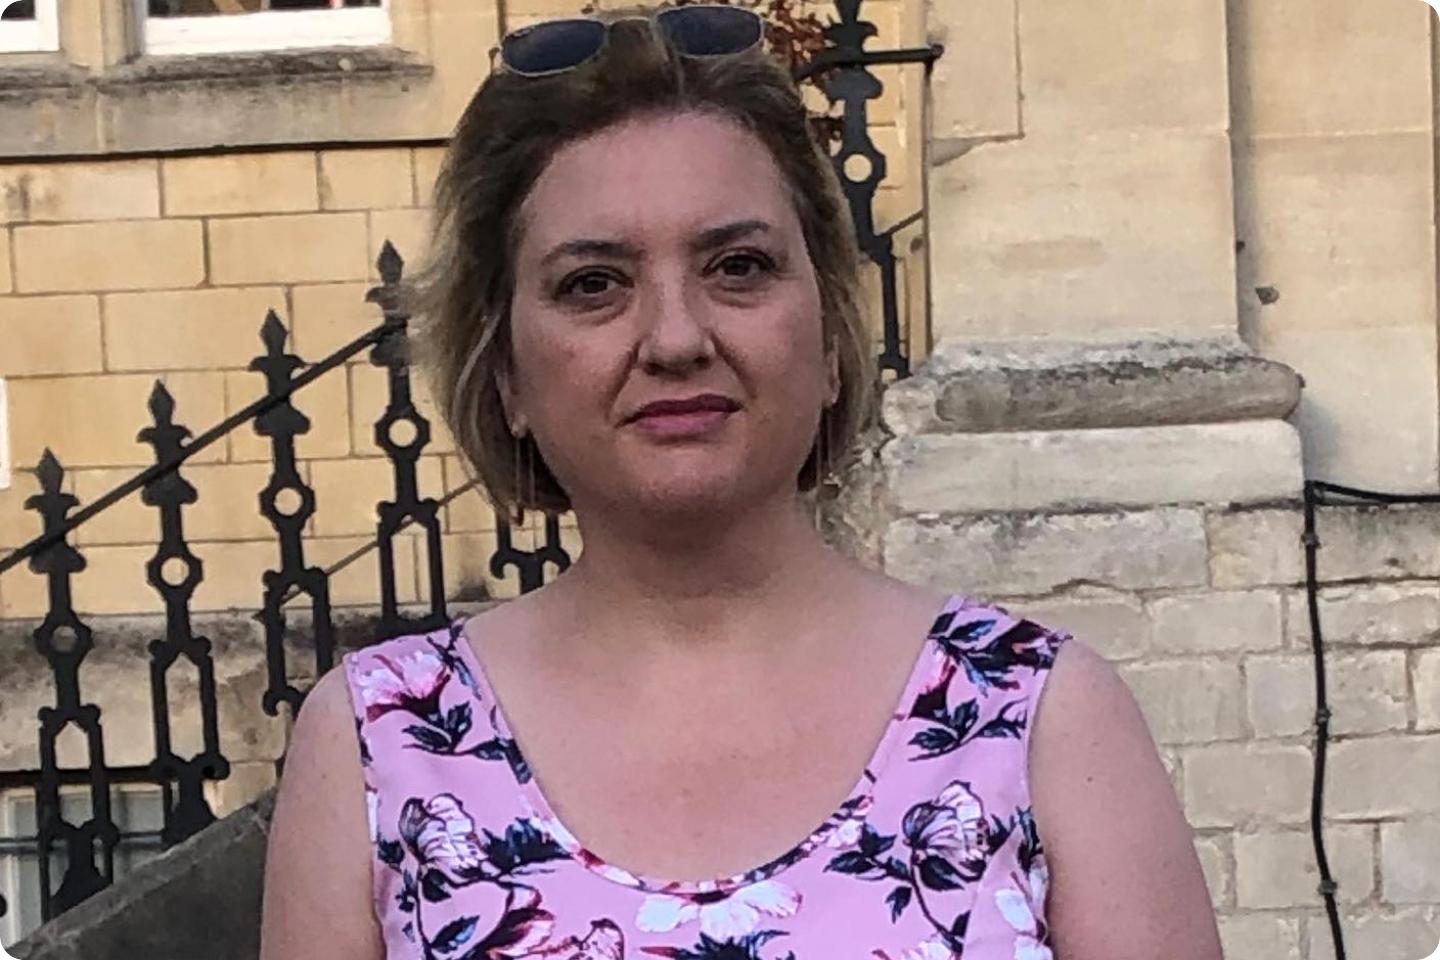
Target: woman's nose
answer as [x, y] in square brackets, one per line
[675, 334]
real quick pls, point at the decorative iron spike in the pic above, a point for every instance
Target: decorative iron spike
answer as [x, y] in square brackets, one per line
[273, 334]
[49, 472]
[389, 263]
[162, 404]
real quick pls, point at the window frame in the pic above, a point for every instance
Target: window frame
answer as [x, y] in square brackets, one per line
[41, 35]
[263, 31]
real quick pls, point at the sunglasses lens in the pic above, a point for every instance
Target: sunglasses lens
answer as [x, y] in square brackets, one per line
[711, 30]
[552, 47]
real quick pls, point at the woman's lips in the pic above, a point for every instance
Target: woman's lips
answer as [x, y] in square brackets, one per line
[697, 423]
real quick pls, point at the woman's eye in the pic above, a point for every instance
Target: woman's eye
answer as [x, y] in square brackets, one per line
[590, 284]
[744, 266]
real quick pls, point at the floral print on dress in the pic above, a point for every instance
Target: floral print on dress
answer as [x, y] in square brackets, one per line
[935, 855]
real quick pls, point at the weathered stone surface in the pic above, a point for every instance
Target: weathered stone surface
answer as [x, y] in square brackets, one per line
[1277, 868]
[1241, 784]
[1047, 385]
[1215, 861]
[1260, 936]
[1113, 623]
[1188, 701]
[1381, 543]
[1252, 548]
[1409, 851]
[1257, 461]
[1376, 931]
[1025, 555]
[198, 900]
[908, 406]
[1216, 622]
[1381, 615]
[1426, 678]
[1366, 693]
[1392, 776]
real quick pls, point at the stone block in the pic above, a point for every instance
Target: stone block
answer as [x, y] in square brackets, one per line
[470, 512]
[246, 784]
[45, 336]
[240, 183]
[325, 403]
[222, 865]
[1113, 66]
[347, 493]
[407, 230]
[1072, 469]
[1251, 548]
[467, 566]
[977, 83]
[1379, 543]
[1390, 776]
[1425, 677]
[1376, 931]
[17, 524]
[7, 281]
[329, 316]
[1336, 226]
[1114, 624]
[1210, 623]
[94, 420]
[428, 161]
[1188, 701]
[1026, 555]
[910, 406]
[121, 255]
[1018, 227]
[233, 574]
[1276, 869]
[87, 190]
[187, 329]
[359, 583]
[1368, 615]
[226, 508]
[1347, 438]
[1366, 693]
[1244, 784]
[301, 248]
[369, 394]
[1215, 861]
[1260, 936]
[1409, 851]
[1309, 67]
[1058, 385]
[365, 179]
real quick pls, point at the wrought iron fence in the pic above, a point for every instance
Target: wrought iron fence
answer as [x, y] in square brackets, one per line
[81, 850]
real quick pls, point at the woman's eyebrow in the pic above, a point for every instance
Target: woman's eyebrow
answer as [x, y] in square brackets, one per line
[608, 249]
[716, 237]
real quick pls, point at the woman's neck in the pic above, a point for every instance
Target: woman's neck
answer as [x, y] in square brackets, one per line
[707, 582]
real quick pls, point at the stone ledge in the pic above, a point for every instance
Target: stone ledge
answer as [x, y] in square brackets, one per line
[172, 104]
[1230, 463]
[970, 387]
[200, 899]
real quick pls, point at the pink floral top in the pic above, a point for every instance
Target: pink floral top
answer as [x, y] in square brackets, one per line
[934, 855]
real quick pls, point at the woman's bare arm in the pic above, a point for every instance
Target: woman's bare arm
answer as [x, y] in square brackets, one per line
[1125, 882]
[318, 881]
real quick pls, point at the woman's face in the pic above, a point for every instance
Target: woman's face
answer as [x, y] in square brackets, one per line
[661, 260]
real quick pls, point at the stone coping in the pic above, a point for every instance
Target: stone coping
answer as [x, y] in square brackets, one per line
[1017, 385]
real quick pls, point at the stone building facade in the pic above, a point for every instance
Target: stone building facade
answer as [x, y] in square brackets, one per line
[1148, 224]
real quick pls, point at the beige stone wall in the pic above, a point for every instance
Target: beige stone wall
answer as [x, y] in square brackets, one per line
[1109, 170]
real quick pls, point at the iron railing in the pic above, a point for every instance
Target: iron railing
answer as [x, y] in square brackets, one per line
[85, 850]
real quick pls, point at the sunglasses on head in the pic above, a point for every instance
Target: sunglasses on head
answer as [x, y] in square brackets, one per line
[701, 30]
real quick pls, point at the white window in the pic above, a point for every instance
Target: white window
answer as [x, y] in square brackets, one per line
[138, 812]
[237, 26]
[28, 25]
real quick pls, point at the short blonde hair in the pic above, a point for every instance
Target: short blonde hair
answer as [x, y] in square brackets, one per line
[511, 129]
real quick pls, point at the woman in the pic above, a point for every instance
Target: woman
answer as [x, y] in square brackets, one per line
[645, 311]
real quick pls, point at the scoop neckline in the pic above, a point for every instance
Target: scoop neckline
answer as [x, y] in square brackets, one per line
[927, 665]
